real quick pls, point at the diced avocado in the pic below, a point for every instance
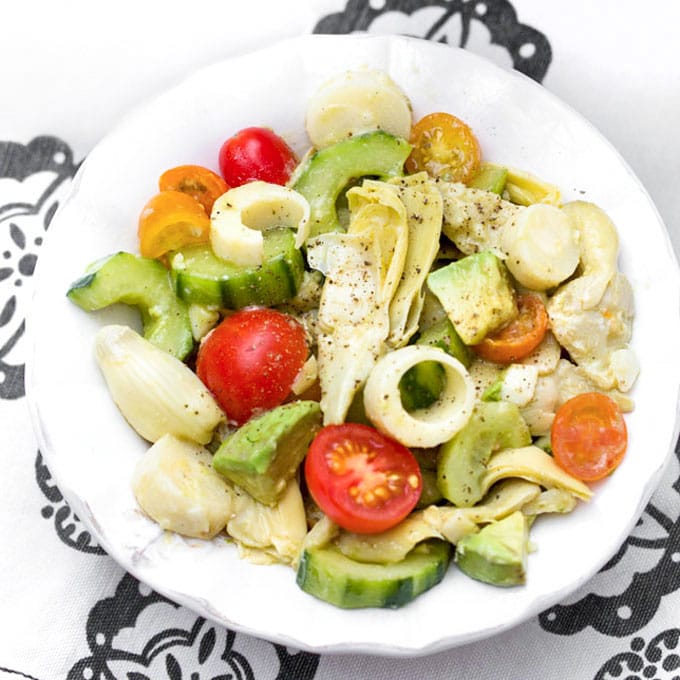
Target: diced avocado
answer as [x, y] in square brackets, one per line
[421, 385]
[143, 283]
[490, 178]
[328, 575]
[477, 295]
[264, 454]
[498, 553]
[323, 175]
[203, 278]
[493, 426]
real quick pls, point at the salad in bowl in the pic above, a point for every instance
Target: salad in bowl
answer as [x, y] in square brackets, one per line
[368, 363]
[361, 347]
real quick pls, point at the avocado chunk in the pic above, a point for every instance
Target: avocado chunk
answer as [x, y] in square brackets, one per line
[493, 425]
[200, 277]
[490, 178]
[476, 293]
[421, 385]
[264, 454]
[328, 575]
[143, 283]
[498, 553]
[322, 177]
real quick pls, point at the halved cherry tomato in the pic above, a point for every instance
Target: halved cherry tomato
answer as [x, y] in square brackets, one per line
[201, 183]
[364, 481]
[445, 147]
[589, 436]
[170, 220]
[250, 360]
[256, 153]
[520, 337]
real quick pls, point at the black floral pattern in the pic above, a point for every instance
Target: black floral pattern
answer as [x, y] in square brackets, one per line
[69, 528]
[449, 21]
[43, 168]
[191, 649]
[657, 660]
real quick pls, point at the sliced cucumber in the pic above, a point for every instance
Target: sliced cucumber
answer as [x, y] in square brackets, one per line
[201, 277]
[143, 283]
[322, 177]
[328, 575]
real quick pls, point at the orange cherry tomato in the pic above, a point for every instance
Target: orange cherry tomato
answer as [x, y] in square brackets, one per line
[203, 184]
[520, 337]
[364, 481]
[589, 436]
[171, 220]
[445, 147]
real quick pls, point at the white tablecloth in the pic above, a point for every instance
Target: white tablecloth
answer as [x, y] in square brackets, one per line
[69, 72]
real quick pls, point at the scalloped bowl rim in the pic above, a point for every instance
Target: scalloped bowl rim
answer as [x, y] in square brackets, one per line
[533, 130]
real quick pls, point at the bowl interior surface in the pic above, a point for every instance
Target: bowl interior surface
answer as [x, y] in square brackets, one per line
[92, 451]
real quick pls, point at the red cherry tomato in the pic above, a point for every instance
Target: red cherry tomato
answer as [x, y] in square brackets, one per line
[364, 481]
[589, 436]
[250, 360]
[256, 153]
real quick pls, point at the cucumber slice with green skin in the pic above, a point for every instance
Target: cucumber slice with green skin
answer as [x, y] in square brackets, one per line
[143, 283]
[328, 575]
[200, 277]
[326, 173]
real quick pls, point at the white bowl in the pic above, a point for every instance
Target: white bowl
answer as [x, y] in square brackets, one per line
[91, 451]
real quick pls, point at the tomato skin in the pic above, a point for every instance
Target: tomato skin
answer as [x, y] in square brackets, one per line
[589, 436]
[520, 337]
[170, 220]
[256, 153]
[445, 147]
[250, 360]
[198, 182]
[364, 481]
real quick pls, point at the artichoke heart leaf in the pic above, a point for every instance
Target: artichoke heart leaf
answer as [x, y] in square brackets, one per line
[363, 269]
[424, 208]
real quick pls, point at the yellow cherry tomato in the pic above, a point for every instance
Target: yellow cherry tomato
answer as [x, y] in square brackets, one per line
[171, 220]
[445, 147]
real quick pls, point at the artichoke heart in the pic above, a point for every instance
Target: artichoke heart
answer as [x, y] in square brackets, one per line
[534, 465]
[502, 500]
[438, 522]
[269, 534]
[423, 204]
[363, 269]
